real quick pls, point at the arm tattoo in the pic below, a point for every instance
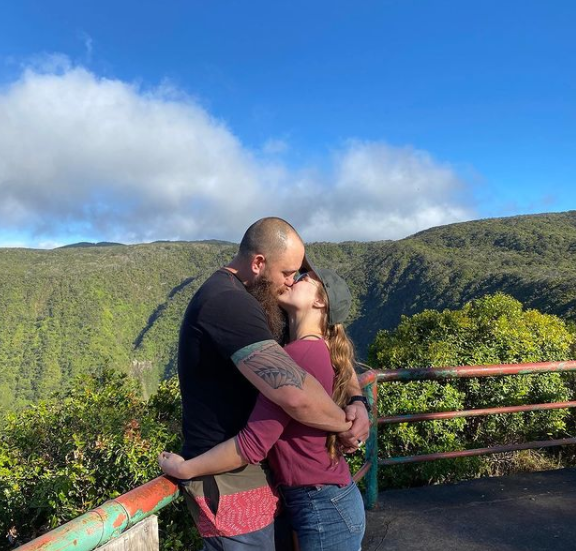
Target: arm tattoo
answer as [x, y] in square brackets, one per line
[268, 361]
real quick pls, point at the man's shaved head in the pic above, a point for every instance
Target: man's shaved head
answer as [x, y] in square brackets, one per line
[269, 237]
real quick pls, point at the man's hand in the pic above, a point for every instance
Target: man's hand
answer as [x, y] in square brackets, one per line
[352, 439]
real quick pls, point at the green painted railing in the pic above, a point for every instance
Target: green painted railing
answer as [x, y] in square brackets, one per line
[104, 523]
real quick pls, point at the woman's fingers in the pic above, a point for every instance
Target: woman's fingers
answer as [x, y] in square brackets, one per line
[163, 456]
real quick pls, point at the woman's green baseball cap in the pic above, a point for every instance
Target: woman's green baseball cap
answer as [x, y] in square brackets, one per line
[339, 297]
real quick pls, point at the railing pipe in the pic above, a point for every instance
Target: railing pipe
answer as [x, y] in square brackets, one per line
[465, 371]
[480, 412]
[361, 472]
[476, 451]
[108, 521]
[372, 445]
[445, 373]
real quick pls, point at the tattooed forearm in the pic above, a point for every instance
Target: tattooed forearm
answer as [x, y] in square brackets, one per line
[268, 361]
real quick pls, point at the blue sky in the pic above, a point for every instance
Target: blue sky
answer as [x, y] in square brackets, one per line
[136, 121]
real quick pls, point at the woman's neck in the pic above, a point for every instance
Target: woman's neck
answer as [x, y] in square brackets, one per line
[307, 325]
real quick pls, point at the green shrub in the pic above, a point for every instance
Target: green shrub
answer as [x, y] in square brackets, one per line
[491, 330]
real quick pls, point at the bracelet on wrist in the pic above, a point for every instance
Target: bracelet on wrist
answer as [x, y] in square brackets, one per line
[360, 398]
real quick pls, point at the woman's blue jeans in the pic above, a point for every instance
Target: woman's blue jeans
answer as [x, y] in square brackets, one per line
[326, 518]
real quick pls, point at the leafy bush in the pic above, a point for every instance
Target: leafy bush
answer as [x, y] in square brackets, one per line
[491, 330]
[87, 445]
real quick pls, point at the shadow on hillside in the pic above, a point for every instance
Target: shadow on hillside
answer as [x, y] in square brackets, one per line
[159, 309]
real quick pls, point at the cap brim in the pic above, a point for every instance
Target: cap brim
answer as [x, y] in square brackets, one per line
[307, 265]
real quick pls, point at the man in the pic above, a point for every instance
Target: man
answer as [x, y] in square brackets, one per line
[228, 352]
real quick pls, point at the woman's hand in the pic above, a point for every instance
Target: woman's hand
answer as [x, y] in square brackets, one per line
[172, 464]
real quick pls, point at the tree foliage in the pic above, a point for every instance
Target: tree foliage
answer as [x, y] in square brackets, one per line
[74, 311]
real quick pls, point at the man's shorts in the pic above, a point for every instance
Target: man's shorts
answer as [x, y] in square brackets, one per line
[231, 504]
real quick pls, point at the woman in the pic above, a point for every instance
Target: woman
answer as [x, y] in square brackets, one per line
[324, 504]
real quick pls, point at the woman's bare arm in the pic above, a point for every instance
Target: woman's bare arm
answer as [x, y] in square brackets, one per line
[220, 459]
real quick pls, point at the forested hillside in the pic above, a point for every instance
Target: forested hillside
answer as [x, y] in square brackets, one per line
[79, 309]
[532, 258]
[74, 310]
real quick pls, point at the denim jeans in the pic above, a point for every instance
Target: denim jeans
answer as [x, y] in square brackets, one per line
[260, 540]
[326, 518]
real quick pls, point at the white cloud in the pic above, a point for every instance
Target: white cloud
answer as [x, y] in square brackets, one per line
[84, 155]
[390, 192]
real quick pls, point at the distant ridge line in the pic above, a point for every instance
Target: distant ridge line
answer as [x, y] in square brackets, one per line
[86, 244]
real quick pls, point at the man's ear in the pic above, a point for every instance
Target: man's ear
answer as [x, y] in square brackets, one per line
[258, 264]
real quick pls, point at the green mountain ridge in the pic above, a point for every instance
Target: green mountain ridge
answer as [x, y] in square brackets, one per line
[74, 310]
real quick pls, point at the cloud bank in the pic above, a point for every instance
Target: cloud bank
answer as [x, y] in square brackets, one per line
[110, 160]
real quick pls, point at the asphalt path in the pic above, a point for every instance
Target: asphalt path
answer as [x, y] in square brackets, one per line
[528, 512]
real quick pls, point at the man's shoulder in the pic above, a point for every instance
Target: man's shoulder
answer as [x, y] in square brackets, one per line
[223, 310]
[223, 292]
[219, 283]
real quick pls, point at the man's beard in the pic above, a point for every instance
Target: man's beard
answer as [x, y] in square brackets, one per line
[263, 291]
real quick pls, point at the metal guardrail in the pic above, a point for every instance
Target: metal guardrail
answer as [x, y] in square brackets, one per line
[108, 521]
[370, 379]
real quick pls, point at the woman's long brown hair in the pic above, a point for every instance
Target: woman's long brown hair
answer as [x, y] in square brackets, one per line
[342, 357]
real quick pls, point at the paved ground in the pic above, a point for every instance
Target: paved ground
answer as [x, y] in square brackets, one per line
[531, 512]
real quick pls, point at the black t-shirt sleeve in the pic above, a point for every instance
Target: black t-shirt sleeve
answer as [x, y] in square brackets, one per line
[234, 320]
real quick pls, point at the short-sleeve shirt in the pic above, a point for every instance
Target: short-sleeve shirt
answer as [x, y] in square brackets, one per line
[222, 318]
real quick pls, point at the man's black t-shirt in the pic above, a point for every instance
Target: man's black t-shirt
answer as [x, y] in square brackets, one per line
[217, 399]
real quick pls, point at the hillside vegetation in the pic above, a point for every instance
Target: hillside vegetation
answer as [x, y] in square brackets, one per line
[79, 310]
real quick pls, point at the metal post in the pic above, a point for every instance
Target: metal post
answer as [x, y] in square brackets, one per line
[372, 447]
